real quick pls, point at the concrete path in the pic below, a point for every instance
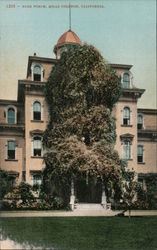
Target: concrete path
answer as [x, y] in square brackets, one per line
[74, 213]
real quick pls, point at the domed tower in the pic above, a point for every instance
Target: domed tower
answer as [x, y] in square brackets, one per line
[66, 40]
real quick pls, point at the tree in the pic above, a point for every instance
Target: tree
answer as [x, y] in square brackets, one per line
[130, 189]
[6, 183]
[81, 92]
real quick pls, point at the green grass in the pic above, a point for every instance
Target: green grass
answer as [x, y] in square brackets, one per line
[83, 232]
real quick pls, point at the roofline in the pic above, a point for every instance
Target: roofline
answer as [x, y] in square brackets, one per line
[10, 102]
[134, 90]
[40, 59]
[123, 66]
[148, 111]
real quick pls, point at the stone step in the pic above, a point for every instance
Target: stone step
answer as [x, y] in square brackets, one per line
[88, 206]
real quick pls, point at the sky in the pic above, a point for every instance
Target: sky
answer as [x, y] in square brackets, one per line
[124, 31]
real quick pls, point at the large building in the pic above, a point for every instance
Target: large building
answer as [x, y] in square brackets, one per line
[22, 122]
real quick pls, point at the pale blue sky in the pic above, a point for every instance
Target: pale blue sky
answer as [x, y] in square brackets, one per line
[124, 31]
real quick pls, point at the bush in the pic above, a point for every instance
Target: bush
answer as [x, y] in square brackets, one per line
[4, 205]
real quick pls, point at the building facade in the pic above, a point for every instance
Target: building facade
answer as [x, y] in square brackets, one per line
[22, 122]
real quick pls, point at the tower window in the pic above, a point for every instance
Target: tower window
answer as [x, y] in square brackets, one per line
[126, 116]
[37, 73]
[36, 111]
[37, 146]
[140, 153]
[126, 80]
[140, 122]
[11, 116]
[11, 150]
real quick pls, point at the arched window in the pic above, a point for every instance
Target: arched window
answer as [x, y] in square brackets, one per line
[140, 122]
[37, 73]
[126, 80]
[126, 116]
[11, 116]
[37, 146]
[36, 111]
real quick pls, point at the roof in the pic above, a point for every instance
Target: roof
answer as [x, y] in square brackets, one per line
[147, 111]
[69, 37]
[120, 66]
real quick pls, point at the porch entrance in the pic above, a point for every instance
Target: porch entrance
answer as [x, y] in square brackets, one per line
[88, 193]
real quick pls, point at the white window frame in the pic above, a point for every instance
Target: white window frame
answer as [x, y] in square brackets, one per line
[6, 146]
[32, 147]
[139, 114]
[6, 111]
[130, 76]
[142, 151]
[130, 121]
[123, 142]
[32, 71]
[32, 111]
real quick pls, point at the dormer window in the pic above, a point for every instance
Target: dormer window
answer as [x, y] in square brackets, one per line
[36, 111]
[126, 116]
[140, 122]
[126, 80]
[37, 73]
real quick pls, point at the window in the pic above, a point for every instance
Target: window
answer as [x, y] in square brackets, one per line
[37, 73]
[126, 150]
[140, 122]
[36, 111]
[140, 153]
[11, 116]
[37, 179]
[126, 80]
[11, 150]
[126, 116]
[37, 146]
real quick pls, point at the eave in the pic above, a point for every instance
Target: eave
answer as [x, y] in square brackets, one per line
[120, 66]
[27, 86]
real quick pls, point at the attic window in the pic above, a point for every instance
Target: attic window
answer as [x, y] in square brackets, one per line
[37, 73]
[126, 80]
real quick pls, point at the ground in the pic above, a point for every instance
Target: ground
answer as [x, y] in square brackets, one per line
[82, 232]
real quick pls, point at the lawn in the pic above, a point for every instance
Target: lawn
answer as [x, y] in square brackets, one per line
[83, 232]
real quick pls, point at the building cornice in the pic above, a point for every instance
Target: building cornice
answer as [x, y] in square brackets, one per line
[27, 86]
[147, 111]
[16, 129]
[120, 66]
[10, 102]
[133, 94]
[147, 135]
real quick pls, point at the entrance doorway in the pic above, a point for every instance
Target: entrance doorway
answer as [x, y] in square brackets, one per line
[88, 193]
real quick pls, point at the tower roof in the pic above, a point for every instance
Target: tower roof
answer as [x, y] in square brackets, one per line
[69, 37]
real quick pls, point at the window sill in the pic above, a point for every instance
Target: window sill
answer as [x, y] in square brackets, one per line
[126, 125]
[37, 157]
[11, 160]
[128, 159]
[141, 163]
[40, 121]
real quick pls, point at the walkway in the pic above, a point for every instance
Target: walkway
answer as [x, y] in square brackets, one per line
[74, 213]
